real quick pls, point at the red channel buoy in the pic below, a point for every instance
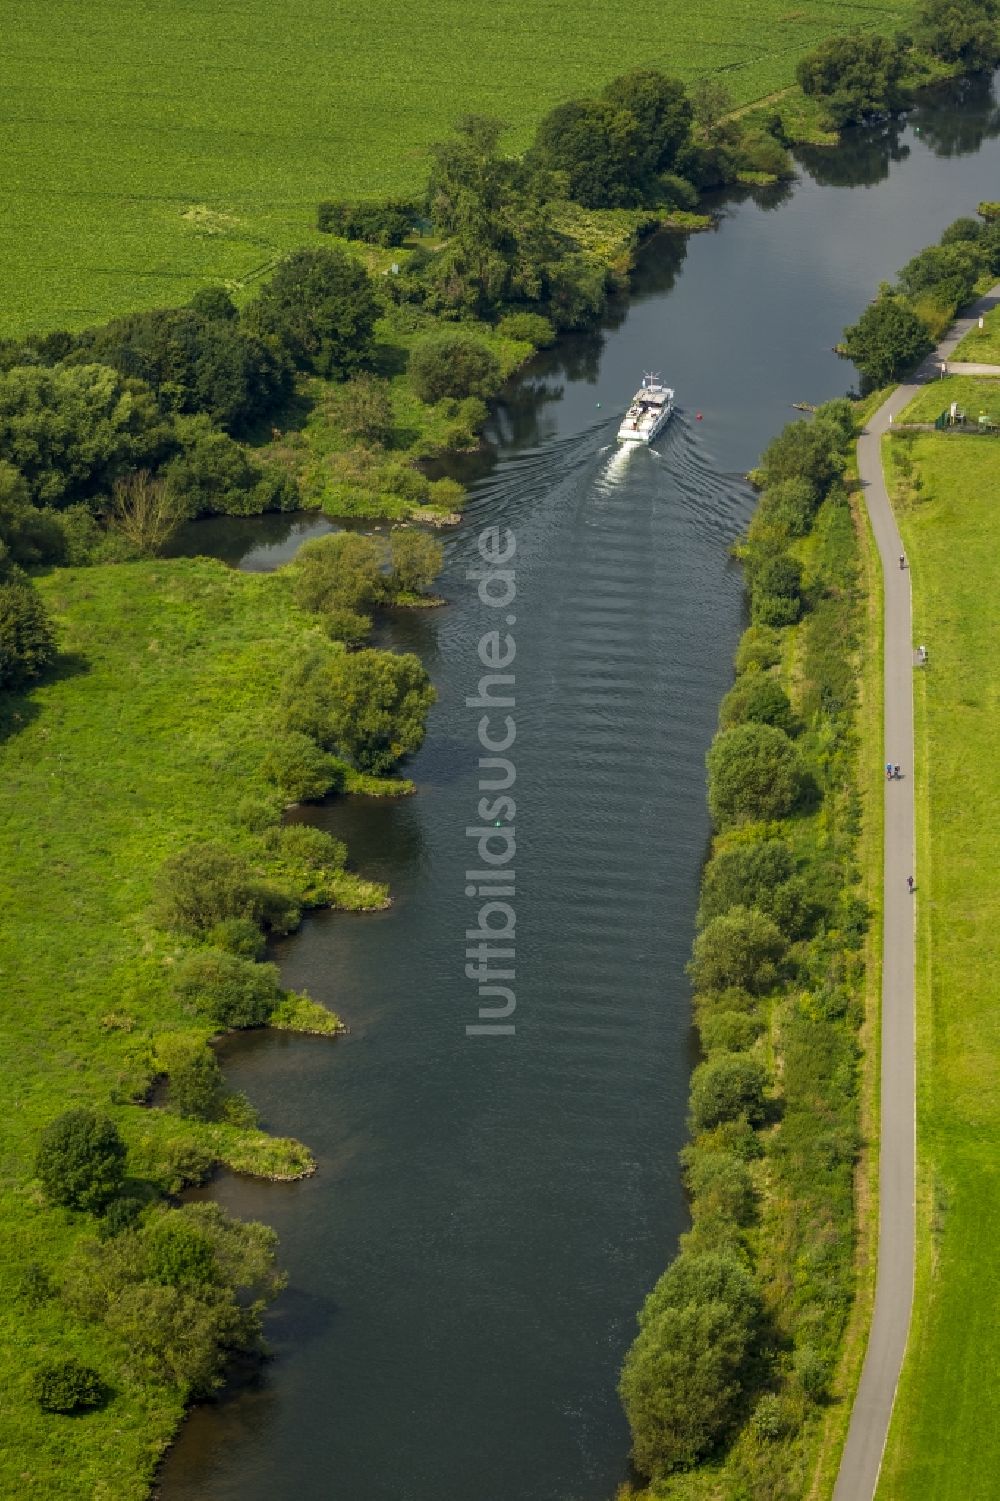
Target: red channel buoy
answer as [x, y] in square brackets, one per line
[698, 416]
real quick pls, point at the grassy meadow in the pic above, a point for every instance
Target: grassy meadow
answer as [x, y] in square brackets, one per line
[942, 1443]
[150, 734]
[974, 394]
[152, 149]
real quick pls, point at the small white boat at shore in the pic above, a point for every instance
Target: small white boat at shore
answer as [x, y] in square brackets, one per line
[648, 413]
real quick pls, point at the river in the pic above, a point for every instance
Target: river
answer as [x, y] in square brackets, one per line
[466, 1266]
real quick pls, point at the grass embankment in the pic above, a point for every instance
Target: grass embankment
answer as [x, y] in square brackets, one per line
[982, 346]
[162, 148]
[975, 394]
[941, 1442]
[151, 735]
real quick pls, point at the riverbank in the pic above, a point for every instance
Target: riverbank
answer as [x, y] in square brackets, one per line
[153, 732]
[782, 993]
[943, 491]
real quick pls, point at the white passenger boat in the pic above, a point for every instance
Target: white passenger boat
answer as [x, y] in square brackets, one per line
[649, 412]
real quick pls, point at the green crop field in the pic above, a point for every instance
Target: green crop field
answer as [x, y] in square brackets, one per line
[942, 1443]
[152, 148]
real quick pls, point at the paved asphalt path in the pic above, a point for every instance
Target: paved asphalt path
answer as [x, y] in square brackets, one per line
[866, 1436]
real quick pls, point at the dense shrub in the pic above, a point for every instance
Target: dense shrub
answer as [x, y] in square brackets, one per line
[754, 772]
[180, 1301]
[756, 698]
[362, 408]
[301, 769]
[720, 1184]
[320, 305]
[27, 639]
[342, 571]
[531, 328]
[887, 340]
[776, 590]
[384, 224]
[81, 1160]
[789, 506]
[416, 559]
[370, 706]
[744, 875]
[67, 1386]
[196, 1087]
[726, 1087]
[453, 364]
[803, 451]
[759, 649]
[741, 947]
[230, 991]
[206, 884]
[728, 1031]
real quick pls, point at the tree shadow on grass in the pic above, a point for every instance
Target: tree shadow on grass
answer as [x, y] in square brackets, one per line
[18, 710]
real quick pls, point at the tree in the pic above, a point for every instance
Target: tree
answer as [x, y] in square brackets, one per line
[662, 109]
[727, 1087]
[384, 224]
[370, 706]
[855, 75]
[196, 359]
[145, 510]
[679, 1385]
[27, 640]
[595, 145]
[754, 772]
[230, 991]
[416, 559]
[756, 698]
[214, 304]
[887, 340]
[81, 1160]
[321, 306]
[453, 364]
[961, 31]
[741, 947]
[681, 1381]
[72, 430]
[214, 476]
[28, 535]
[67, 1386]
